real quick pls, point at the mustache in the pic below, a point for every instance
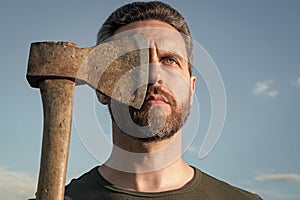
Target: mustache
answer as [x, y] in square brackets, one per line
[158, 90]
[151, 89]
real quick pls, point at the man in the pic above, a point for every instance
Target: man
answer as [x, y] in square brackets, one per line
[146, 161]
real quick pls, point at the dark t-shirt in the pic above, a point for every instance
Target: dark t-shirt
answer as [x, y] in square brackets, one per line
[92, 186]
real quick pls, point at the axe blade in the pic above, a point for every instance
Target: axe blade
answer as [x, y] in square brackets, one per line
[118, 68]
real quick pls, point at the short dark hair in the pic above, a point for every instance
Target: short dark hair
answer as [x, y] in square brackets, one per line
[138, 11]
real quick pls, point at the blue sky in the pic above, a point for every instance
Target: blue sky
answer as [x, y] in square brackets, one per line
[255, 45]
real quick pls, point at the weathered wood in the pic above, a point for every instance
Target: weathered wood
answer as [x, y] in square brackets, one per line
[57, 96]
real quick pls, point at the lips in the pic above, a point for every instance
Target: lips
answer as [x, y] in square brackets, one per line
[156, 98]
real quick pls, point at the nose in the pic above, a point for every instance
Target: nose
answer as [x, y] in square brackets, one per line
[155, 70]
[155, 74]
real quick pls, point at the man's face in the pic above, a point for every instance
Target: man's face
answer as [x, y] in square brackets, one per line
[167, 103]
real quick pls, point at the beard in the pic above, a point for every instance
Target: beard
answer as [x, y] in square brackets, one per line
[151, 122]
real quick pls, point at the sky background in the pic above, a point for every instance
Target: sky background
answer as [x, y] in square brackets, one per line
[255, 45]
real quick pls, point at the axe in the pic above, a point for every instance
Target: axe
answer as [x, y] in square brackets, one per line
[114, 68]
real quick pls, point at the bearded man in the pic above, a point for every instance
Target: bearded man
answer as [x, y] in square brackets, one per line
[146, 159]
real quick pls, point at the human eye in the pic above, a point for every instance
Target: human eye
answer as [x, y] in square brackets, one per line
[170, 61]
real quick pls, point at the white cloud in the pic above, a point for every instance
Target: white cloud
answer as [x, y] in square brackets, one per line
[15, 185]
[296, 83]
[275, 194]
[272, 93]
[264, 89]
[278, 177]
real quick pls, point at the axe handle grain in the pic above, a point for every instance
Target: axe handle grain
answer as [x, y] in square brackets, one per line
[57, 96]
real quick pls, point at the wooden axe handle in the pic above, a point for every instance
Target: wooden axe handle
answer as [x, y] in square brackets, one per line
[57, 96]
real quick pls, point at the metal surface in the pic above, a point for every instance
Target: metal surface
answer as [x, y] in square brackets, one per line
[100, 66]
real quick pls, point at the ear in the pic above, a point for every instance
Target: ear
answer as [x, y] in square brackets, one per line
[102, 98]
[193, 87]
[193, 83]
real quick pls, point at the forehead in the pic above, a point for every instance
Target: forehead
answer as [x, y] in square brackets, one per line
[159, 35]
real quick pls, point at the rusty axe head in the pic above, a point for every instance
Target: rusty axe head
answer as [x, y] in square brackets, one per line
[115, 68]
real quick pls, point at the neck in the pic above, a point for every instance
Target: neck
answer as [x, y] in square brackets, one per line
[146, 166]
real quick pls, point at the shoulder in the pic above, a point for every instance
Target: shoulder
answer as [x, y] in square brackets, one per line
[80, 187]
[85, 185]
[218, 189]
[85, 178]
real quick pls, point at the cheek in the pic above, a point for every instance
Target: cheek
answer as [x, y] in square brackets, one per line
[179, 86]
